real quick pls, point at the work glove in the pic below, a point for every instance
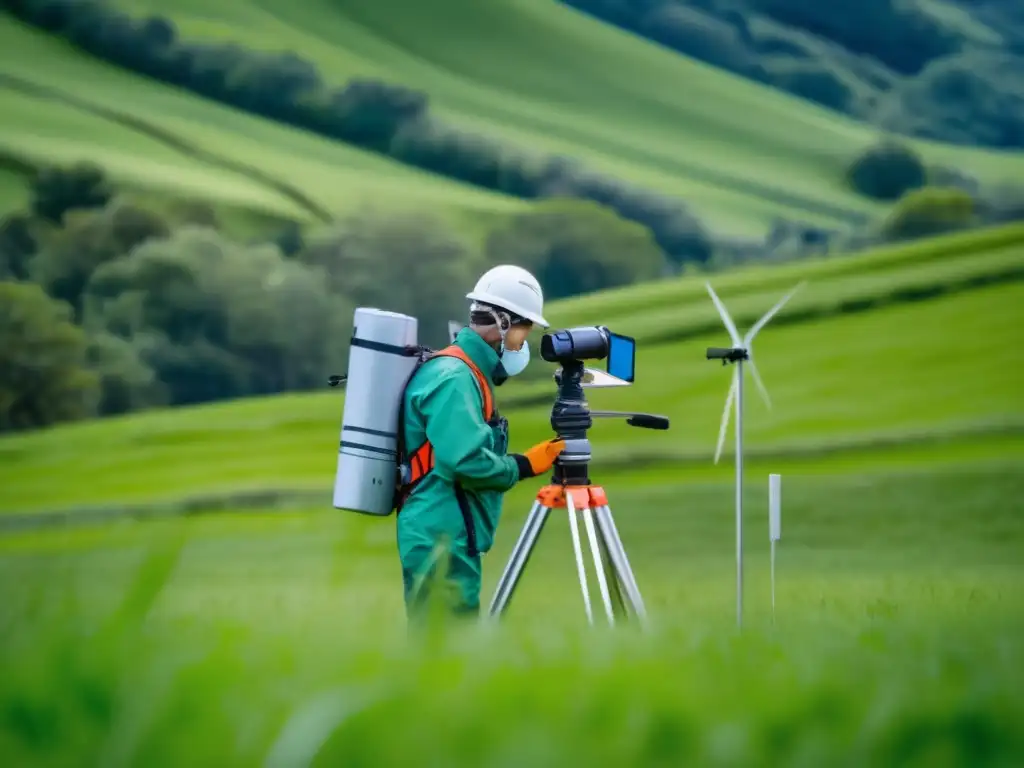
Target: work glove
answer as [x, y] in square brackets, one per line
[538, 459]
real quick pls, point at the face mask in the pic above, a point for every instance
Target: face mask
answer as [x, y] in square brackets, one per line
[514, 361]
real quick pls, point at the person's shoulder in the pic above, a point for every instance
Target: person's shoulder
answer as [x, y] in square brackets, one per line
[439, 371]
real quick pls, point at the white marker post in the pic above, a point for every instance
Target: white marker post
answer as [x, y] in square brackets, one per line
[774, 523]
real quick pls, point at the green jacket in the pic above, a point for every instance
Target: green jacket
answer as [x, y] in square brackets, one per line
[443, 403]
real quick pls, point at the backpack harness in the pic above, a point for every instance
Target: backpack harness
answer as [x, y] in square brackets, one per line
[413, 468]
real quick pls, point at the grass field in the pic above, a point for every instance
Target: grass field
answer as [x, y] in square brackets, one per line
[265, 638]
[533, 71]
[274, 636]
[843, 374]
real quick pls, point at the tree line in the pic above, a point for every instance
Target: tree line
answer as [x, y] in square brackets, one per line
[108, 306]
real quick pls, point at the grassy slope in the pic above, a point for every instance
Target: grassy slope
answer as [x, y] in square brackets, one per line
[859, 396]
[740, 153]
[862, 397]
[899, 612]
[551, 78]
[75, 107]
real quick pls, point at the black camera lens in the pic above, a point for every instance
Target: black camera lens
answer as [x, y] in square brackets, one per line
[587, 343]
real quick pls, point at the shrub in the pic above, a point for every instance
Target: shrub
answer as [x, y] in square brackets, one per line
[43, 375]
[17, 246]
[57, 190]
[887, 171]
[929, 211]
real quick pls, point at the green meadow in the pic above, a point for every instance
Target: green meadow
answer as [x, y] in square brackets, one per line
[246, 622]
[177, 590]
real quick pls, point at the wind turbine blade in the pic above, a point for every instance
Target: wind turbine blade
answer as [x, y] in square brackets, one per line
[771, 313]
[757, 380]
[725, 415]
[729, 326]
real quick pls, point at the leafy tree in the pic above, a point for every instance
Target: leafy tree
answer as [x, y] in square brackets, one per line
[410, 263]
[886, 171]
[217, 319]
[43, 374]
[89, 239]
[577, 247]
[57, 190]
[972, 98]
[192, 372]
[17, 245]
[126, 382]
[900, 34]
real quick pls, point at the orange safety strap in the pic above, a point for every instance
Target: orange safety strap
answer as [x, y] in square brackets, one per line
[422, 460]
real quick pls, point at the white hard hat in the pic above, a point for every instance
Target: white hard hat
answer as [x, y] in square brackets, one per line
[513, 289]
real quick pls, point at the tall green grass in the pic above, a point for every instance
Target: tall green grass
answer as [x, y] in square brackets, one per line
[279, 639]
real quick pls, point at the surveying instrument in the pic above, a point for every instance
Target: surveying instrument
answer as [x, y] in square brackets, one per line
[571, 487]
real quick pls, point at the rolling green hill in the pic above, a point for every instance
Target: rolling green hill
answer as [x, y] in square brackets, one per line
[537, 73]
[554, 78]
[846, 365]
[157, 139]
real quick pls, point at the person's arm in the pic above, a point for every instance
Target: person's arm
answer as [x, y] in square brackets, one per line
[452, 410]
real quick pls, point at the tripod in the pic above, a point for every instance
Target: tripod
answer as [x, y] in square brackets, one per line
[572, 490]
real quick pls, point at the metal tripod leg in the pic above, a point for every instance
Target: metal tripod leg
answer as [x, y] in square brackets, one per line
[615, 578]
[520, 556]
[620, 562]
[614, 587]
[599, 564]
[578, 551]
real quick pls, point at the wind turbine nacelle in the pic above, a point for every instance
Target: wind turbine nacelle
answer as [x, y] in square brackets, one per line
[729, 355]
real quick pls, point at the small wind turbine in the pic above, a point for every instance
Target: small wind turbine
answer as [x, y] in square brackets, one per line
[740, 352]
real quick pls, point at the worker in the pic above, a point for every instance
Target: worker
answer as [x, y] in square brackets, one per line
[456, 444]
